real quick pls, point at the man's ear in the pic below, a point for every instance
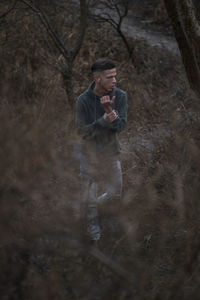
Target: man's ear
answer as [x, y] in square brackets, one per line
[97, 78]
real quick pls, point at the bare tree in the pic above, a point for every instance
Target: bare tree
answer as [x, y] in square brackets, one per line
[113, 12]
[63, 41]
[187, 32]
[65, 48]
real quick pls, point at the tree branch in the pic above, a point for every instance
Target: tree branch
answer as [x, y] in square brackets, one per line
[106, 4]
[118, 10]
[83, 24]
[104, 19]
[109, 19]
[53, 35]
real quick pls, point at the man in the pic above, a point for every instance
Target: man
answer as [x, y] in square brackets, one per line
[101, 113]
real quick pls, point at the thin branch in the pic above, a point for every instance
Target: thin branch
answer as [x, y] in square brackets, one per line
[49, 45]
[118, 10]
[109, 18]
[103, 19]
[83, 24]
[125, 10]
[106, 4]
[114, 266]
[116, 20]
[49, 29]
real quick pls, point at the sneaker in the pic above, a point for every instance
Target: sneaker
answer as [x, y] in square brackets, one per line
[93, 229]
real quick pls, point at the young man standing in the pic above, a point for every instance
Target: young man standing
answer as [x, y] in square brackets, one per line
[101, 113]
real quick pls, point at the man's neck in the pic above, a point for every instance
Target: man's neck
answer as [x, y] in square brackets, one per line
[99, 91]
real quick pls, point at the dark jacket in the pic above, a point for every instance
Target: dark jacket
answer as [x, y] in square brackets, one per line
[97, 134]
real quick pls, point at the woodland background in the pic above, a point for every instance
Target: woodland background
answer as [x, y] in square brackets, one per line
[150, 244]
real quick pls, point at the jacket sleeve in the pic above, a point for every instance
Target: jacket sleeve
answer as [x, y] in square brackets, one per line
[121, 109]
[88, 131]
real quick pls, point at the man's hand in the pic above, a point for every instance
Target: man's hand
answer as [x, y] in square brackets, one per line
[106, 102]
[110, 117]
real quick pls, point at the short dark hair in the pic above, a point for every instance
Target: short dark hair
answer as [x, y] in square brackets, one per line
[102, 64]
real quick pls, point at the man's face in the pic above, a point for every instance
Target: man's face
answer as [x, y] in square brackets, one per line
[107, 79]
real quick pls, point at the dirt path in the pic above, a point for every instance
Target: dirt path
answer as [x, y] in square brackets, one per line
[134, 29]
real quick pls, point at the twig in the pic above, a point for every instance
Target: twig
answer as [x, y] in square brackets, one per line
[119, 270]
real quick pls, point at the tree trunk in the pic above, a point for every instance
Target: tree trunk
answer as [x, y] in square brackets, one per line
[67, 80]
[128, 47]
[68, 85]
[186, 27]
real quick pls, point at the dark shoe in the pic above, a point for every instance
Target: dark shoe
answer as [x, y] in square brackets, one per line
[93, 229]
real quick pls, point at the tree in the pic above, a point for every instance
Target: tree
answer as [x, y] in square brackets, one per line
[187, 32]
[113, 12]
[50, 21]
[68, 50]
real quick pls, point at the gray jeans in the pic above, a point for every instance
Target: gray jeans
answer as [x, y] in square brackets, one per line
[101, 182]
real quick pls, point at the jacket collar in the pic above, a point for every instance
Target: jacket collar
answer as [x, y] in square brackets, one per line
[92, 94]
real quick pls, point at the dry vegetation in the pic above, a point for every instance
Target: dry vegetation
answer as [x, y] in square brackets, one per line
[150, 244]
